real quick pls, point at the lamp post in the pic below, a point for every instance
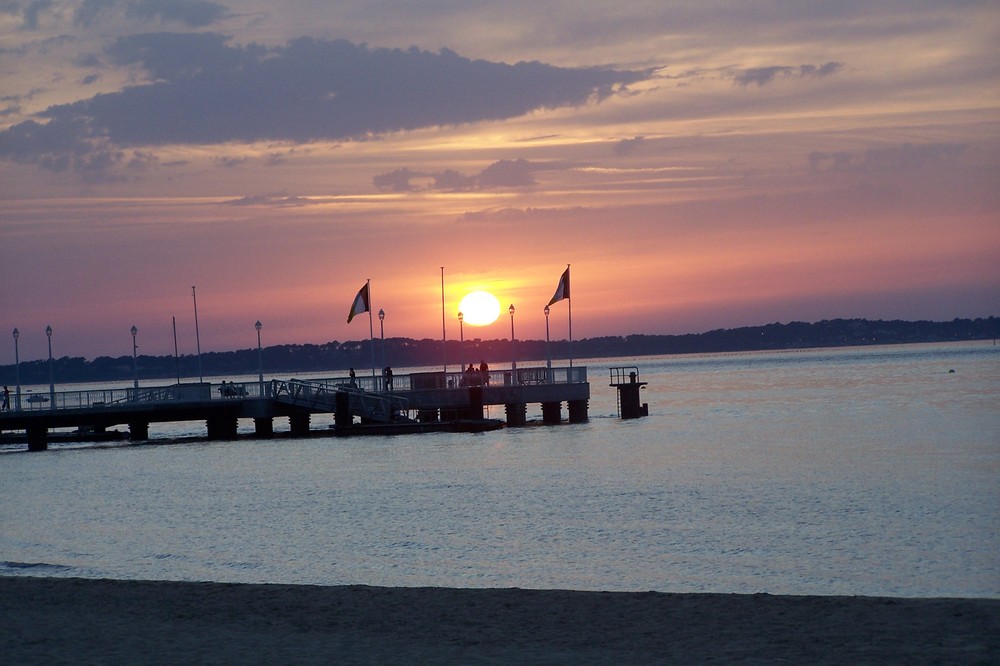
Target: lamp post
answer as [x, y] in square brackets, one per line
[381, 334]
[135, 358]
[461, 337]
[260, 359]
[17, 372]
[548, 352]
[52, 383]
[513, 361]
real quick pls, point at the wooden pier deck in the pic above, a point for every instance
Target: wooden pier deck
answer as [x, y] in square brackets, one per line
[413, 402]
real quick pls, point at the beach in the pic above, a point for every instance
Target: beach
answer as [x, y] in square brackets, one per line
[90, 621]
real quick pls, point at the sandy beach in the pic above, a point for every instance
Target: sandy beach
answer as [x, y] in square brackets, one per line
[80, 621]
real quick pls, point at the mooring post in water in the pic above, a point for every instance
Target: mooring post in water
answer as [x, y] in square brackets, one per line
[626, 380]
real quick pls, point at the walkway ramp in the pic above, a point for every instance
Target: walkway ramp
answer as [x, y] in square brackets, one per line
[320, 397]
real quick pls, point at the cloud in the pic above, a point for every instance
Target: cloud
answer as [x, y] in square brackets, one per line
[453, 181]
[191, 13]
[395, 181]
[629, 146]
[201, 90]
[507, 173]
[764, 75]
[277, 199]
[892, 158]
[501, 174]
[229, 162]
[33, 11]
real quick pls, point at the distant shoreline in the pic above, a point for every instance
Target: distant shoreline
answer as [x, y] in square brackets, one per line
[113, 621]
[406, 352]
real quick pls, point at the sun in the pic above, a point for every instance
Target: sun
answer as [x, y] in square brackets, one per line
[479, 308]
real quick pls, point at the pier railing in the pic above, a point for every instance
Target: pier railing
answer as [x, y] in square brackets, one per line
[146, 395]
[206, 391]
[322, 396]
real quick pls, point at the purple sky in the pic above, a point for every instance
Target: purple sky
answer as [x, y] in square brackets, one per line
[700, 164]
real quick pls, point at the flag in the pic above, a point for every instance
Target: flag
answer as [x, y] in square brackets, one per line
[562, 291]
[360, 303]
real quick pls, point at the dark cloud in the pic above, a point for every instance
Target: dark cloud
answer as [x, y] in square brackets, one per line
[892, 158]
[202, 90]
[395, 181]
[87, 60]
[629, 146]
[191, 13]
[33, 11]
[229, 162]
[89, 10]
[453, 181]
[764, 75]
[277, 199]
[910, 156]
[505, 173]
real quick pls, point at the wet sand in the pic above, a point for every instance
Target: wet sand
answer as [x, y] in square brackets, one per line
[82, 621]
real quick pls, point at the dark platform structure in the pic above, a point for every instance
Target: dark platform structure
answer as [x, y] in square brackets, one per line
[419, 402]
[626, 380]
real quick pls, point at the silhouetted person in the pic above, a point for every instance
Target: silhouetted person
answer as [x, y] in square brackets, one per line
[387, 373]
[6, 399]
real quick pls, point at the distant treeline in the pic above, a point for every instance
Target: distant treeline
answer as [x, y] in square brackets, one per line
[286, 360]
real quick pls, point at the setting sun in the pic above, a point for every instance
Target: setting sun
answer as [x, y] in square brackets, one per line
[479, 308]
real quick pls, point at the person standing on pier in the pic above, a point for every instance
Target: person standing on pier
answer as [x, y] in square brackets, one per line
[6, 399]
[387, 373]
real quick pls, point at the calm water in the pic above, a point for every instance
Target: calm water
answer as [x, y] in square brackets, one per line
[870, 471]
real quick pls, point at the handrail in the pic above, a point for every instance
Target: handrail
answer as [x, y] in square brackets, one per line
[322, 396]
[206, 391]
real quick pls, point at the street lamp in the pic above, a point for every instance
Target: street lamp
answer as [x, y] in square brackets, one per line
[461, 337]
[17, 372]
[513, 362]
[548, 352]
[260, 359]
[135, 359]
[381, 333]
[52, 383]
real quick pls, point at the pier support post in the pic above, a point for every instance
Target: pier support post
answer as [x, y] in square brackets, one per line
[342, 417]
[38, 438]
[299, 424]
[222, 427]
[577, 411]
[263, 427]
[475, 410]
[138, 430]
[551, 413]
[517, 414]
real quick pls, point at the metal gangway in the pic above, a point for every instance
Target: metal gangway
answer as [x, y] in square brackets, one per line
[382, 407]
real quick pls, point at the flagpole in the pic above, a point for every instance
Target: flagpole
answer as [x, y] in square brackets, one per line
[371, 326]
[444, 334]
[197, 335]
[570, 299]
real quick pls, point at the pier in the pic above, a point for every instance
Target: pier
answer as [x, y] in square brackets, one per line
[414, 402]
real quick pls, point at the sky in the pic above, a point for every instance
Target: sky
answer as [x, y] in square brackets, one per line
[699, 164]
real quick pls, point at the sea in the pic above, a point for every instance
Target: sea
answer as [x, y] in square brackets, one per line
[851, 471]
